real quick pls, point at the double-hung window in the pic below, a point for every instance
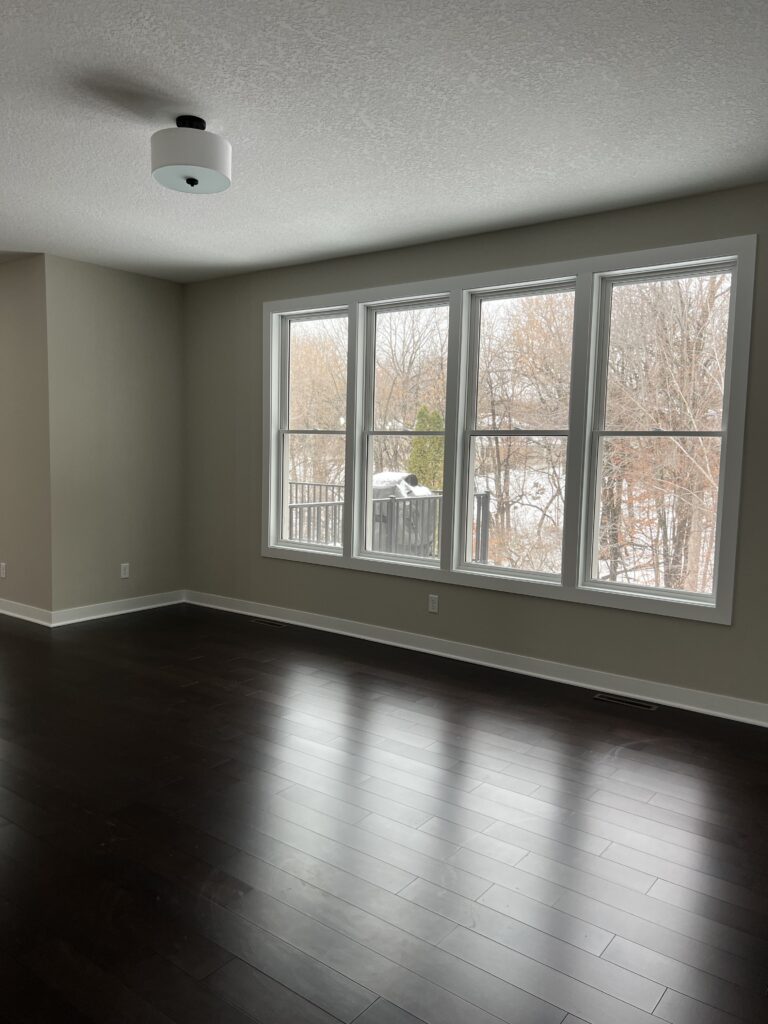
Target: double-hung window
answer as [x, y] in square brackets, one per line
[572, 431]
[658, 434]
[313, 417]
[521, 345]
[405, 429]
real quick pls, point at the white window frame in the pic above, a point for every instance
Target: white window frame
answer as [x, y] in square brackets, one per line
[469, 395]
[369, 311]
[284, 429]
[589, 276]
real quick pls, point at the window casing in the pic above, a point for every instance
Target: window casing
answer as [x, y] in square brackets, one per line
[538, 522]
[404, 412]
[508, 411]
[312, 429]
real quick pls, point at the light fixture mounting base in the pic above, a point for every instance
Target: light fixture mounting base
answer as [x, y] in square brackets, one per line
[190, 121]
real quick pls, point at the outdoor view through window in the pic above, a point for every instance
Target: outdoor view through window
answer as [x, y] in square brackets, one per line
[406, 442]
[314, 443]
[469, 448]
[658, 492]
[521, 429]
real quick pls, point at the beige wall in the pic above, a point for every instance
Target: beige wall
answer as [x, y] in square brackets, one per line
[25, 522]
[224, 432]
[115, 362]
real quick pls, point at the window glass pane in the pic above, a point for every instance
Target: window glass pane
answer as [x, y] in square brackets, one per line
[405, 495]
[317, 373]
[524, 361]
[313, 488]
[411, 356]
[517, 502]
[666, 356]
[658, 512]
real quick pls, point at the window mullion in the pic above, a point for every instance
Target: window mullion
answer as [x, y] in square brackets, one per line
[366, 326]
[353, 453]
[467, 404]
[284, 371]
[579, 429]
[283, 421]
[451, 523]
[601, 305]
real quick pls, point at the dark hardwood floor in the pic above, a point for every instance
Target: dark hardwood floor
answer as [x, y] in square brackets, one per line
[209, 819]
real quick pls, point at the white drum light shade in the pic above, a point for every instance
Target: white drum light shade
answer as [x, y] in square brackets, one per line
[190, 159]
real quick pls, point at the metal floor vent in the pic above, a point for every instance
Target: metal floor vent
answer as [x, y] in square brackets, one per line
[272, 623]
[629, 702]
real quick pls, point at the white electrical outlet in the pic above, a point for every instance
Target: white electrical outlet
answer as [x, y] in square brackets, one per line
[433, 604]
[125, 570]
[2, 571]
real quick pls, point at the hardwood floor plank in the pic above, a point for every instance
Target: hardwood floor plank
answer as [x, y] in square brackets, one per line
[367, 947]
[415, 839]
[434, 806]
[698, 809]
[96, 993]
[383, 1012]
[688, 878]
[599, 820]
[750, 975]
[565, 992]
[584, 777]
[183, 1000]
[320, 803]
[268, 1001]
[596, 867]
[728, 913]
[26, 1000]
[249, 832]
[680, 1009]
[687, 980]
[576, 963]
[318, 787]
[721, 834]
[649, 908]
[107, 914]
[285, 878]
[520, 919]
[537, 835]
[210, 818]
[282, 959]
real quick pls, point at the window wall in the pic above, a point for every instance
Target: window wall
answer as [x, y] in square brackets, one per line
[572, 431]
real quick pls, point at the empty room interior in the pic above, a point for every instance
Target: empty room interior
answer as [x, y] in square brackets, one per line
[383, 618]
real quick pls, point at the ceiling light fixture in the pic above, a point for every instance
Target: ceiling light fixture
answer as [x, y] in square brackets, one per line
[187, 158]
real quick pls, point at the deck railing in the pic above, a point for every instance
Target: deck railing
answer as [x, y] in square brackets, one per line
[399, 525]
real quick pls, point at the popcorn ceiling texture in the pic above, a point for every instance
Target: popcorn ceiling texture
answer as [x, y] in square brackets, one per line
[365, 124]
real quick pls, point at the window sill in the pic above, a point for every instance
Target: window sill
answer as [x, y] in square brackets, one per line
[595, 595]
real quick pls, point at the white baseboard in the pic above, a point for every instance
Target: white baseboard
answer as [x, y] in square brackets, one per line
[736, 708]
[66, 616]
[27, 612]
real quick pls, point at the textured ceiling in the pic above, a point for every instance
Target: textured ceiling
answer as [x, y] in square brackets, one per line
[363, 124]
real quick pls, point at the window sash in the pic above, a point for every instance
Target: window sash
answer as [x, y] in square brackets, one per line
[589, 277]
[284, 530]
[601, 345]
[277, 511]
[471, 430]
[367, 352]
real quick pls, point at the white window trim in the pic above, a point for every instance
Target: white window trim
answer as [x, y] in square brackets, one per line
[368, 312]
[573, 585]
